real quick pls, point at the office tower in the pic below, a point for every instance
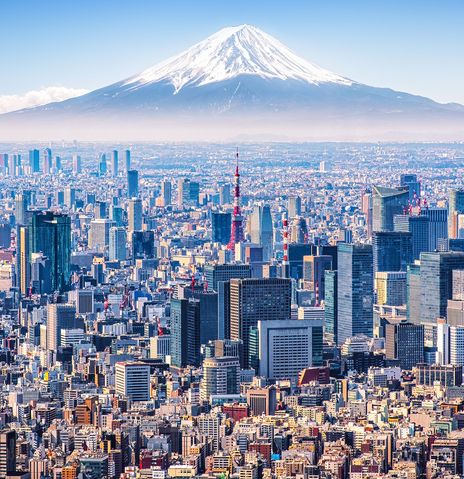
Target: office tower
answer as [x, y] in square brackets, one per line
[132, 183]
[69, 337]
[436, 283]
[77, 164]
[443, 341]
[21, 205]
[5, 235]
[299, 230]
[224, 194]
[58, 165]
[220, 225]
[134, 215]
[116, 215]
[355, 290]
[117, 243]
[391, 287]
[60, 316]
[221, 375]
[386, 203]
[102, 165]
[217, 273]
[69, 197]
[331, 306]
[99, 235]
[414, 187]
[22, 259]
[185, 332]
[253, 300]
[286, 347]
[366, 208]
[84, 299]
[237, 234]
[455, 208]
[50, 234]
[127, 154]
[413, 294]
[38, 468]
[188, 193]
[294, 206]
[296, 253]
[314, 268]
[419, 227]
[34, 161]
[143, 245]
[95, 466]
[115, 163]
[392, 250]
[7, 453]
[47, 163]
[100, 210]
[405, 342]
[458, 284]
[262, 401]
[262, 230]
[132, 380]
[166, 193]
[40, 274]
[160, 346]
[438, 225]
[456, 345]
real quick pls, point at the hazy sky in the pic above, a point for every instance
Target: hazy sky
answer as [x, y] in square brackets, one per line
[408, 45]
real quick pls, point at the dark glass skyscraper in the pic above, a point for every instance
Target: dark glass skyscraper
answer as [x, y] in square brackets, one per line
[355, 290]
[331, 306]
[455, 207]
[221, 224]
[34, 160]
[405, 342]
[392, 250]
[132, 183]
[386, 203]
[410, 180]
[216, 273]
[419, 227]
[50, 234]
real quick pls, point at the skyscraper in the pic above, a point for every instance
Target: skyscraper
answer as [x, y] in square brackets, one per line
[419, 227]
[217, 273]
[187, 193]
[47, 163]
[331, 306]
[69, 197]
[50, 234]
[386, 203]
[115, 163]
[438, 226]
[185, 332]
[220, 226]
[224, 194]
[102, 165]
[405, 343]
[391, 287]
[455, 207]
[414, 187]
[135, 215]
[128, 159]
[21, 205]
[143, 245]
[34, 161]
[392, 250]
[261, 229]
[132, 183]
[117, 243]
[294, 206]
[77, 164]
[221, 375]
[166, 192]
[132, 380]
[314, 268]
[366, 208]
[355, 290]
[253, 300]
[23, 259]
[99, 234]
[60, 316]
[7, 453]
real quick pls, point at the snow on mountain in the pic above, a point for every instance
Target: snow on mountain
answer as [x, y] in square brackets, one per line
[234, 51]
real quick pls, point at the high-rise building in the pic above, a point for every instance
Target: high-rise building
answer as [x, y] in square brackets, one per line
[160, 346]
[414, 187]
[7, 453]
[436, 283]
[117, 243]
[217, 273]
[127, 154]
[405, 342]
[115, 163]
[294, 206]
[224, 195]
[69, 197]
[135, 217]
[253, 300]
[355, 290]
[21, 205]
[367, 209]
[143, 245]
[102, 165]
[47, 163]
[60, 316]
[99, 234]
[187, 193]
[314, 268]
[413, 294]
[391, 287]
[34, 161]
[262, 230]
[132, 380]
[50, 234]
[220, 225]
[456, 345]
[166, 193]
[77, 164]
[386, 203]
[331, 306]
[221, 375]
[185, 332]
[455, 208]
[262, 401]
[438, 225]
[392, 250]
[419, 227]
[23, 271]
[286, 347]
[132, 183]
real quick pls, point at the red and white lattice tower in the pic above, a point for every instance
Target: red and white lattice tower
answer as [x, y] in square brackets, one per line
[285, 263]
[236, 234]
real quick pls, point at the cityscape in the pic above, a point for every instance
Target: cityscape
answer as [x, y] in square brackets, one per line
[247, 309]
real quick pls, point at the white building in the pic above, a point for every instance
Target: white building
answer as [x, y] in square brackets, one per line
[160, 346]
[220, 376]
[132, 379]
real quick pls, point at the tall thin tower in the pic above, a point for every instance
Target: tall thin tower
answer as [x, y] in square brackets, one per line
[236, 234]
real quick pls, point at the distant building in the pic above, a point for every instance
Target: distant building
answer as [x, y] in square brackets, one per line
[405, 342]
[132, 379]
[386, 203]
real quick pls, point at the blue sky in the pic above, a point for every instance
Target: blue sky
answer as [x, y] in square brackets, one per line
[409, 45]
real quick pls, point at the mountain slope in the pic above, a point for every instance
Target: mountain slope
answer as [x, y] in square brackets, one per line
[239, 81]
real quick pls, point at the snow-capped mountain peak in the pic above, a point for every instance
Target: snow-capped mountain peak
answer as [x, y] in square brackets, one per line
[231, 52]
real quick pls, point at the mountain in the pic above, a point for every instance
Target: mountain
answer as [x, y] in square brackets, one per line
[239, 82]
